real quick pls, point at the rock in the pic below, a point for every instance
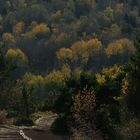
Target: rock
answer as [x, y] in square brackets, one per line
[10, 133]
[45, 122]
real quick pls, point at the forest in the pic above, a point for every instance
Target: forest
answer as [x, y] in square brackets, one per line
[79, 59]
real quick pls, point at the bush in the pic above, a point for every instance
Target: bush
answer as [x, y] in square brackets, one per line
[23, 121]
[60, 125]
[12, 114]
[130, 130]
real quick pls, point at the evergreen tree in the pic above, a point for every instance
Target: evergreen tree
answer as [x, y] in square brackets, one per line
[133, 96]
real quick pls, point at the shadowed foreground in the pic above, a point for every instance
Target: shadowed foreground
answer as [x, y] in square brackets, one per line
[10, 133]
[44, 135]
[42, 130]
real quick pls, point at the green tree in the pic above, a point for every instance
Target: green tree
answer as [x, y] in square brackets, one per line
[133, 95]
[19, 59]
[10, 93]
[109, 12]
[108, 92]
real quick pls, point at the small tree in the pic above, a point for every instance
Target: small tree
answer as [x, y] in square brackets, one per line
[83, 113]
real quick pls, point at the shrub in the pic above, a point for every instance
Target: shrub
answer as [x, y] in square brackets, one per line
[23, 121]
[130, 130]
[3, 115]
[83, 113]
[60, 125]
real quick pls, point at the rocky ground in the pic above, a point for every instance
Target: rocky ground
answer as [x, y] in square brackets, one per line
[10, 133]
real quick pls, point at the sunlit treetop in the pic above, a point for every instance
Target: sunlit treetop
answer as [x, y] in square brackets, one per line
[94, 45]
[55, 79]
[120, 47]
[39, 30]
[33, 81]
[65, 54]
[18, 28]
[8, 38]
[16, 54]
[109, 74]
[109, 12]
[80, 51]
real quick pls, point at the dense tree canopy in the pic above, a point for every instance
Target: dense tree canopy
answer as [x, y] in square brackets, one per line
[77, 58]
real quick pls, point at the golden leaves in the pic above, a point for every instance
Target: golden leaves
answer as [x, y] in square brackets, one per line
[111, 73]
[120, 47]
[80, 51]
[41, 29]
[8, 38]
[18, 28]
[16, 53]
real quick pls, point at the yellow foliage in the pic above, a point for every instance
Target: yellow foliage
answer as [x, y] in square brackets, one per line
[100, 79]
[111, 73]
[125, 86]
[8, 37]
[119, 47]
[55, 79]
[80, 52]
[33, 80]
[66, 70]
[64, 54]
[16, 53]
[41, 28]
[18, 28]
[38, 29]
[94, 45]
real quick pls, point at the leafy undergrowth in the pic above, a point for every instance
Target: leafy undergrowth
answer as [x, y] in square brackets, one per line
[23, 121]
[2, 117]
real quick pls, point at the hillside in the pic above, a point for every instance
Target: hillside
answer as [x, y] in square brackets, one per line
[77, 58]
